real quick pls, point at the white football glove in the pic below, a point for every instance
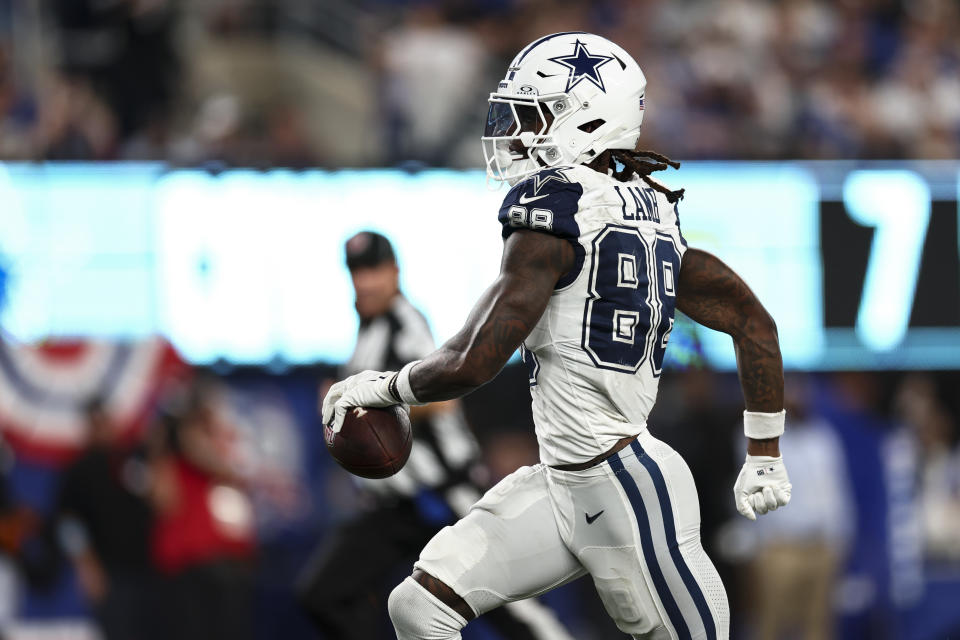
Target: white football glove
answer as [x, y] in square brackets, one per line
[762, 486]
[366, 389]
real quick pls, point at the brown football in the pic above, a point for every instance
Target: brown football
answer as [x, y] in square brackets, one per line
[373, 443]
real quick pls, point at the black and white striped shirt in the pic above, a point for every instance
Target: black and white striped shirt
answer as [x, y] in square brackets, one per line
[444, 448]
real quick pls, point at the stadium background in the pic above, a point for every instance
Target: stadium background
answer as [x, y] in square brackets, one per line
[177, 170]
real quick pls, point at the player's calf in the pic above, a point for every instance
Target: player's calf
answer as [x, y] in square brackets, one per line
[418, 614]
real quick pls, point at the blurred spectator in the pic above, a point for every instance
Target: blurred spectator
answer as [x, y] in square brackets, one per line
[215, 135]
[74, 124]
[105, 528]
[203, 539]
[798, 551]
[17, 112]
[152, 142]
[432, 85]
[287, 138]
[124, 49]
[935, 432]
[18, 524]
[884, 571]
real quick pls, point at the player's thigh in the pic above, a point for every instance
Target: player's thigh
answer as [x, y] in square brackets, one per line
[506, 548]
[634, 524]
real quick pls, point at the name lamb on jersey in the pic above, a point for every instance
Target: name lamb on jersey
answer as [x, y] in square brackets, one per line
[639, 202]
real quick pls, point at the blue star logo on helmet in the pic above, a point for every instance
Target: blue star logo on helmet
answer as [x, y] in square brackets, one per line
[583, 66]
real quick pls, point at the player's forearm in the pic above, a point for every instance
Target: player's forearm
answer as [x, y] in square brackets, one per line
[715, 296]
[760, 367]
[443, 377]
[759, 364]
[450, 373]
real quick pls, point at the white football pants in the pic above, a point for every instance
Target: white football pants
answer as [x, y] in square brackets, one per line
[631, 522]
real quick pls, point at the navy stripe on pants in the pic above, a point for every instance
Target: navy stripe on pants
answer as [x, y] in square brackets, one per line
[667, 510]
[646, 542]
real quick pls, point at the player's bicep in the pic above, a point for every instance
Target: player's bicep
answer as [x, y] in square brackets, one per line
[531, 265]
[505, 314]
[712, 294]
[510, 308]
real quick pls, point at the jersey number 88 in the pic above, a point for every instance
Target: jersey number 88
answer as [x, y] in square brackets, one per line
[628, 315]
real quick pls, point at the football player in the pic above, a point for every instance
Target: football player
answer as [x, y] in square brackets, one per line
[594, 265]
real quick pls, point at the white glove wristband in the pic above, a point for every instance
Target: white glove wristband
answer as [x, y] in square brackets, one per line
[761, 426]
[402, 385]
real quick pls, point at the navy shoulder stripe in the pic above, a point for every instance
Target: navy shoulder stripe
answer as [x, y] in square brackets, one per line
[547, 201]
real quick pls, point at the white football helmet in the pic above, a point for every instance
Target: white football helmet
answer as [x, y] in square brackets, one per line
[567, 97]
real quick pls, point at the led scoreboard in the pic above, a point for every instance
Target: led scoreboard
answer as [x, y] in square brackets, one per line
[858, 263]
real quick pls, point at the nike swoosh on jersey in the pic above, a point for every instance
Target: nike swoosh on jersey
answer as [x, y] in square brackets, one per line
[525, 199]
[590, 518]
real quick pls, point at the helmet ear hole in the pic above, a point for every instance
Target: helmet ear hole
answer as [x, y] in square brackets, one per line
[593, 125]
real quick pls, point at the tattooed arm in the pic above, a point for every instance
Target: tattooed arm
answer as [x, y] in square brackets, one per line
[505, 314]
[713, 295]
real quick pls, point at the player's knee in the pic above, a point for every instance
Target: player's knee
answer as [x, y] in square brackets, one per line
[419, 615]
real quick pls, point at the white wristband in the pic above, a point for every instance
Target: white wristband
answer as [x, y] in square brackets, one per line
[761, 426]
[404, 390]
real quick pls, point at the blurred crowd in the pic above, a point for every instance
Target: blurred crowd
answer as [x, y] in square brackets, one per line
[157, 530]
[373, 83]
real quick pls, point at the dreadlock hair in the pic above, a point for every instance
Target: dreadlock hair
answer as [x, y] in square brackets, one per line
[643, 163]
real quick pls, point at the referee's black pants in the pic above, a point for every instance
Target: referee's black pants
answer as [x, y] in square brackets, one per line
[343, 586]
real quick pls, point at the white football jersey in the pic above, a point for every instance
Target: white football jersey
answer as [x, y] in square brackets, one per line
[595, 356]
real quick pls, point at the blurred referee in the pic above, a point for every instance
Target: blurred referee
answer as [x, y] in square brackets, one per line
[343, 587]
